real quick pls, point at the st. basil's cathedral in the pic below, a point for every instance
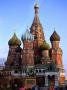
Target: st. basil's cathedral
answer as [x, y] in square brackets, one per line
[37, 63]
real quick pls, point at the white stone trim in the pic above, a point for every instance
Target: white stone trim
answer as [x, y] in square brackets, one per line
[51, 73]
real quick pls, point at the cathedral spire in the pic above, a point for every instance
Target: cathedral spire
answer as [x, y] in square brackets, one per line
[36, 28]
[36, 17]
[36, 7]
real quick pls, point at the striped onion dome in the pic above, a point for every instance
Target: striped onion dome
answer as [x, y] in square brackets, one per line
[27, 36]
[55, 37]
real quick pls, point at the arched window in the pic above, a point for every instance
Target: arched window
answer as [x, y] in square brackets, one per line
[39, 71]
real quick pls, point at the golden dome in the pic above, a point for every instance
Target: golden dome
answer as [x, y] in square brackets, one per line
[45, 46]
[14, 41]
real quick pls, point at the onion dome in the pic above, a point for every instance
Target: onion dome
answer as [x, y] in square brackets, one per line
[55, 37]
[14, 41]
[45, 46]
[27, 36]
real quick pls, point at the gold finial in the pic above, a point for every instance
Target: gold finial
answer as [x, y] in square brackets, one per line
[36, 5]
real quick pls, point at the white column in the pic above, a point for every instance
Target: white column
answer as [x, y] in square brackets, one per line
[56, 80]
[46, 80]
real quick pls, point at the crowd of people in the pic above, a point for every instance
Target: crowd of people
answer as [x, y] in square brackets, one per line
[16, 87]
[23, 88]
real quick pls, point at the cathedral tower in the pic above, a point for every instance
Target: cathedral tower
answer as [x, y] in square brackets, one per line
[37, 30]
[14, 54]
[27, 53]
[56, 55]
[56, 51]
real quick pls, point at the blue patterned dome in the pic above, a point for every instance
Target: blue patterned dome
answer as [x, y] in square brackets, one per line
[27, 36]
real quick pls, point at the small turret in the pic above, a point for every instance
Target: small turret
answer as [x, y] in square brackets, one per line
[28, 53]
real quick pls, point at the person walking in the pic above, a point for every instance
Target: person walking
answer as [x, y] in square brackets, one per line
[22, 88]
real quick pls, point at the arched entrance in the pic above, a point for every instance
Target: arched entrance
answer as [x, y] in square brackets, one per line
[51, 80]
[40, 81]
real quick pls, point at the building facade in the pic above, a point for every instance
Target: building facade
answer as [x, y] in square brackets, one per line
[36, 63]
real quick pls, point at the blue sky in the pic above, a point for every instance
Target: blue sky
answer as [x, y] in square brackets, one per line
[16, 15]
